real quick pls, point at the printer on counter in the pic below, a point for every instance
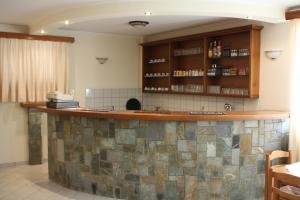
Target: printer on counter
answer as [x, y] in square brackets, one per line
[60, 100]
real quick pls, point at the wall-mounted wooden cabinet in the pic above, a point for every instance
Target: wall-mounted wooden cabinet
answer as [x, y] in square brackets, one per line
[219, 63]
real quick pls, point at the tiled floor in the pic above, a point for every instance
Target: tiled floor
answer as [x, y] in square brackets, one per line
[31, 183]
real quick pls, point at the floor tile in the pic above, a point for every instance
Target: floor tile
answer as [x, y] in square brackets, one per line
[29, 182]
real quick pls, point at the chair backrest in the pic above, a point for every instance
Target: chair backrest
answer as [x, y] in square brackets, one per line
[279, 154]
[275, 155]
[269, 157]
[286, 179]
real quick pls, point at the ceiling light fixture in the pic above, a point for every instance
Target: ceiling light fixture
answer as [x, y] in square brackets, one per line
[148, 13]
[67, 22]
[138, 24]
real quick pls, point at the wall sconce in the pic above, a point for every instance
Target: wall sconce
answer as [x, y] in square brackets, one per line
[102, 60]
[273, 54]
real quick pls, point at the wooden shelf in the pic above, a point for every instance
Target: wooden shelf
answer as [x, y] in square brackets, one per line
[227, 95]
[196, 54]
[157, 63]
[229, 57]
[244, 38]
[230, 76]
[159, 92]
[197, 93]
[188, 76]
[156, 76]
[188, 93]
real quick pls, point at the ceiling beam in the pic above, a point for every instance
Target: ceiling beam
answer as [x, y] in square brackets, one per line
[294, 14]
[37, 37]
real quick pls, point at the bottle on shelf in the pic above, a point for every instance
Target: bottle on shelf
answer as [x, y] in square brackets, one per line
[210, 50]
[226, 52]
[215, 52]
[219, 49]
[235, 91]
[214, 89]
[243, 52]
[234, 53]
[188, 73]
[190, 88]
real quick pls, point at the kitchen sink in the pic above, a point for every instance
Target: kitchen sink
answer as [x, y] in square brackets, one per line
[206, 113]
[190, 113]
[154, 111]
[96, 110]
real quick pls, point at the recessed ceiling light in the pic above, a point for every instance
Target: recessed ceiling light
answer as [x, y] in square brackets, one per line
[249, 17]
[42, 31]
[67, 22]
[138, 24]
[148, 13]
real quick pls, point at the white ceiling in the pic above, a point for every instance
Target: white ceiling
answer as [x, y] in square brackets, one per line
[26, 12]
[112, 16]
[157, 24]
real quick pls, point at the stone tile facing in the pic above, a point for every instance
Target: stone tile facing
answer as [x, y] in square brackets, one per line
[140, 160]
[34, 136]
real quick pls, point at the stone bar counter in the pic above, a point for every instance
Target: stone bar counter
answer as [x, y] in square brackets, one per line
[156, 156]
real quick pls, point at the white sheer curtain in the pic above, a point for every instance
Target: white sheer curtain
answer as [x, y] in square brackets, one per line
[31, 68]
[295, 89]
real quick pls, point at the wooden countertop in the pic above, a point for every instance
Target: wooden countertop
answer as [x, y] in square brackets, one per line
[172, 116]
[33, 104]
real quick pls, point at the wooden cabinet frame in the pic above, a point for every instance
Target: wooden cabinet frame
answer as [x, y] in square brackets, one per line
[162, 53]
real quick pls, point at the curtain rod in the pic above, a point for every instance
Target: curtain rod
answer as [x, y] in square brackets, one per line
[37, 37]
[293, 13]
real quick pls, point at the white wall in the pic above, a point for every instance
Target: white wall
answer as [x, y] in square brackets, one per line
[274, 75]
[13, 134]
[120, 71]
[13, 123]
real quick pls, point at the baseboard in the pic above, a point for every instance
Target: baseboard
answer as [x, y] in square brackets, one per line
[14, 164]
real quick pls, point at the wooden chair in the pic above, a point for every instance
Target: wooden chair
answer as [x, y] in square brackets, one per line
[269, 168]
[285, 192]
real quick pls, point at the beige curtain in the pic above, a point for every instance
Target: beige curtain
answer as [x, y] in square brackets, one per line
[295, 92]
[31, 68]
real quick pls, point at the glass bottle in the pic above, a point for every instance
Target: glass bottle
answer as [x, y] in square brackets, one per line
[215, 53]
[210, 50]
[219, 49]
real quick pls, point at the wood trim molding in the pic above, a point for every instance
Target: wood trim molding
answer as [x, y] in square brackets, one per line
[37, 37]
[292, 14]
[205, 34]
[32, 104]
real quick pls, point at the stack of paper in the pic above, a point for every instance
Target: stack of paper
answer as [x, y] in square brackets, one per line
[58, 97]
[60, 100]
[294, 169]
